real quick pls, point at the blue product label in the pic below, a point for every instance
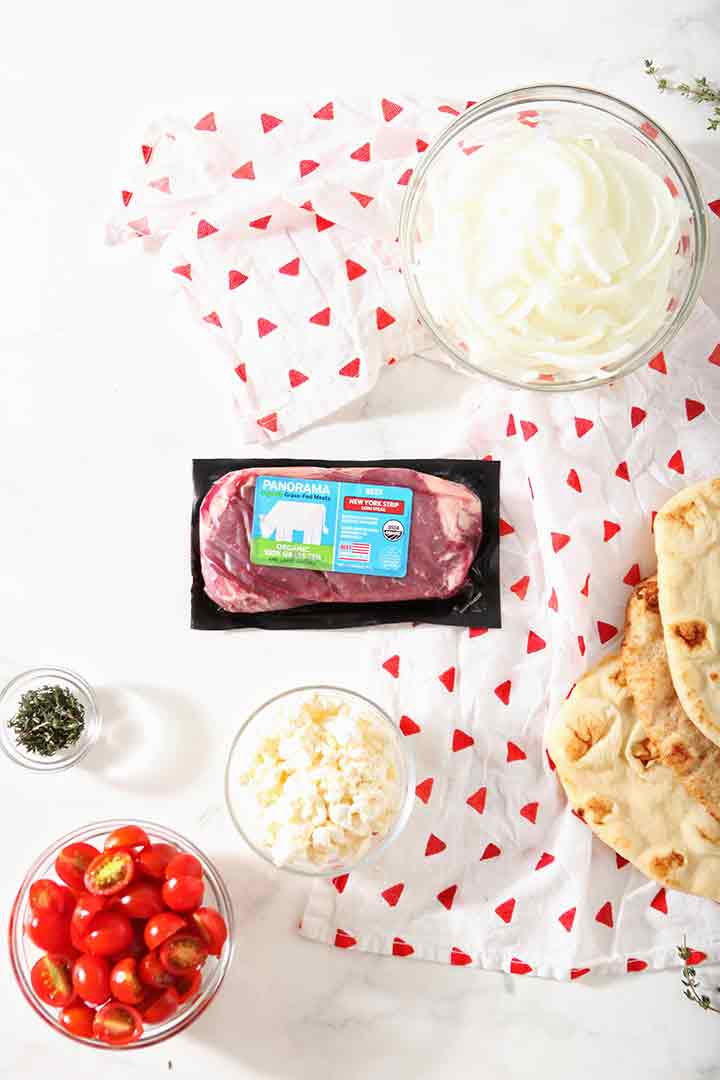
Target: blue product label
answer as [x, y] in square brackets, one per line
[325, 525]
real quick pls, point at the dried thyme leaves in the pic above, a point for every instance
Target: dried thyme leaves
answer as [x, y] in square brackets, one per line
[48, 720]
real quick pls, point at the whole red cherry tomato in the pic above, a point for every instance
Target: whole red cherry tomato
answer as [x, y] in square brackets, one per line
[51, 979]
[183, 893]
[153, 860]
[91, 978]
[86, 908]
[152, 973]
[160, 927]
[49, 931]
[141, 900]
[212, 929]
[161, 1007]
[110, 873]
[78, 1019]
[182, 952]
[117, 1024]
[68, 897]
[73, 861]
[130, 837]
[125, 983]
[110, 934]
[184, 865]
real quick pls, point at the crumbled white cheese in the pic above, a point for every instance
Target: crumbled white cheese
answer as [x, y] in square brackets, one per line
[322, 782]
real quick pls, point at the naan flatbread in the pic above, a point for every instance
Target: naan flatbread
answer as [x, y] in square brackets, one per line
[617, 784]
[687, 541]
[681, 746]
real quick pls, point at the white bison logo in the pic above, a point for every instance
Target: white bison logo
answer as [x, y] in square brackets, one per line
[287, 518]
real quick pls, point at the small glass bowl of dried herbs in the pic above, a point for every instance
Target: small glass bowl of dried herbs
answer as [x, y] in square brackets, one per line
[49, 719]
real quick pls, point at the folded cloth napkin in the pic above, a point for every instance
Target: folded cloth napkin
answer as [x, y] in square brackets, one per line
[280, 228]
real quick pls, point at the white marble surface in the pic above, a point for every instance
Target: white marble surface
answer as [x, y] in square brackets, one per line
[102, 407]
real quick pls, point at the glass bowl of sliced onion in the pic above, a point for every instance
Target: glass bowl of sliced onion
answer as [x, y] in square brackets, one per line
[554, 238]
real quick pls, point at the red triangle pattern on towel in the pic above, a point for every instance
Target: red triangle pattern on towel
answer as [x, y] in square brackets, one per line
[206, 123]
[321, 318]
[407, 726]
[477, 800]
[461, 740]
[423, 790]
[327, 112]
[401, 947]
[392, 894]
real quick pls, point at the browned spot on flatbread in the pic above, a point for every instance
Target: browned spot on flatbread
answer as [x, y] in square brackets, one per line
[664, 865]
[693, 632]
[713, 676]
[643, 752]
[715, 840]
[581, 738]
[596, 809]
[618, 677]
[678, 756]
[647, 591]
[682, 514]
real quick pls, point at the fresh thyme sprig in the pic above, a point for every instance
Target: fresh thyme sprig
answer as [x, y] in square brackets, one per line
[693, 991]
[699, 91]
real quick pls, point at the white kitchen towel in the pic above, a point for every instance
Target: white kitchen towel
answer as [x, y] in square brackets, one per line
[280, 228]
[493, 868]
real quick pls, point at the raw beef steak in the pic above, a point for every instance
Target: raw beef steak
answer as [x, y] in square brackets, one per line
[444, 537]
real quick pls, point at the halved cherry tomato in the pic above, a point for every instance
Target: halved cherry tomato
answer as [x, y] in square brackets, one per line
[153, 860]
[78, 1019]
[161, 927]
[188, 986]
[47, 895]
[51, 979]
[152, 973]
[183, 893]
[110, 873]
[110, 933]
[91, 978]
[161, 1007]
[182, 952]
[128, 837]
[86, 908]
[72, 863]
[183, 865]
[212, 929]
[141, 900]
[49, 930]
[117, 1024]
[125, 983]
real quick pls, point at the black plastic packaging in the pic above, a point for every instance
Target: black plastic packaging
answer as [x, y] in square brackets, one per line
[476, 605]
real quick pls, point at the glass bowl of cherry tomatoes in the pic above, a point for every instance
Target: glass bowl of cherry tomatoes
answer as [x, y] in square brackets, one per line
[121, 934]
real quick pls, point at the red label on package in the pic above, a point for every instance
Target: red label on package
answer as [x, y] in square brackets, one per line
[365, 505]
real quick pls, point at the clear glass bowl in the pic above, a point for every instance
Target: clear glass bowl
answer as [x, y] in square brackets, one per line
[261, 720]
[568, 110]
[23, 953]
[34, 680]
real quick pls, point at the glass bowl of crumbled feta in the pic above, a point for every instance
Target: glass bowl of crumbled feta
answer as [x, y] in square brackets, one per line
[318, 780]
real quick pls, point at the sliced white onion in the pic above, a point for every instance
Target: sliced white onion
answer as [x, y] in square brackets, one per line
[548, 253]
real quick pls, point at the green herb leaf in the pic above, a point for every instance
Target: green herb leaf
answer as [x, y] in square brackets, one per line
[692, 989]
[700, 91]
[48, 720]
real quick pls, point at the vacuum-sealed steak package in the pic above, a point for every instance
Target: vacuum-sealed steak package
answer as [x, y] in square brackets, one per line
[285, 544]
